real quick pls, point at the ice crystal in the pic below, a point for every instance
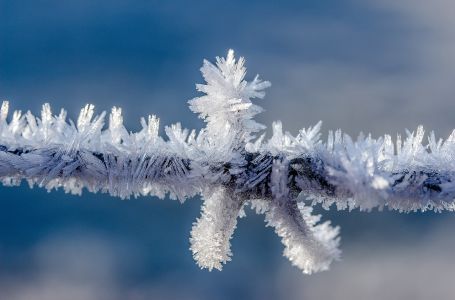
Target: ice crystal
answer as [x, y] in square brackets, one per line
[231, 168]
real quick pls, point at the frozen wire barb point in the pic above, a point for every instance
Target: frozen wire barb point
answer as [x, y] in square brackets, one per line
[231, 167]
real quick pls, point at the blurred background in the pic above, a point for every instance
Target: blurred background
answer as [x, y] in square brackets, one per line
[359, 65]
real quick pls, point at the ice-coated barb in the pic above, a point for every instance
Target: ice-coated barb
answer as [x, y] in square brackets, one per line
[281, 177]
[211, 234]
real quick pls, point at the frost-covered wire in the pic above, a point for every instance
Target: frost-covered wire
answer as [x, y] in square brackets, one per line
[231, 168]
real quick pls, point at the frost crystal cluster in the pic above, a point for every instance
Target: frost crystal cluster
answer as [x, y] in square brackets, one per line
[231, 167]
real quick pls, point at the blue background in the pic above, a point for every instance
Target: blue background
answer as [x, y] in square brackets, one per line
[367, 66]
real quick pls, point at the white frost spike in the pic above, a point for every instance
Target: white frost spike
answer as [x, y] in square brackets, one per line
[227, 106]
[308, 138]
[117, 132]
[85, 116]
[153, 126]
[149, 133]
[4, 111]
[230, 169]
[211, 234]
[309, 246]
[3, 115]
[115, 119]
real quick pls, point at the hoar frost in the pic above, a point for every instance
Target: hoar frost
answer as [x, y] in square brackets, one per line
[231, 168]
